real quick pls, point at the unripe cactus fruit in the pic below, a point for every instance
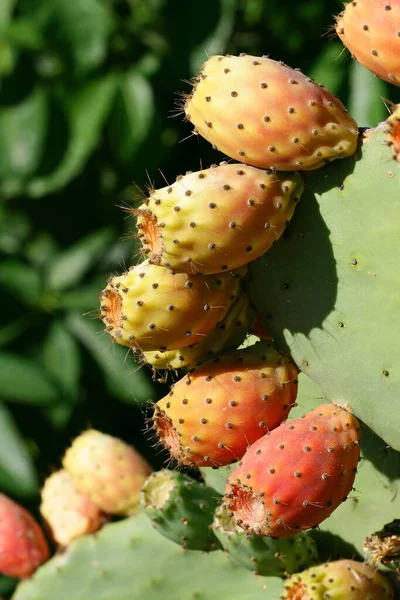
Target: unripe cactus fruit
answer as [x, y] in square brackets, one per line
[107, 470]
[68, 513]
[370, 29]
[339, 580]
[213, 413]
[181, 509]
[263, 555]
[218, 218]
[295, 477]
[23, 546]
[227, 334]
[152, 308]
[266, 114]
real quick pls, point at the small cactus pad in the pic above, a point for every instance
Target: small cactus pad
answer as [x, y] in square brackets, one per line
[107, 470]
[181, 509]
[331, 293]
[226, 335]
[129, 560]
[212, 414]
[262, 555]
[152, 308]
[67, 512]
[370, 29]
[339, 580]
[218, 218]
[266, 114]
[295, 477]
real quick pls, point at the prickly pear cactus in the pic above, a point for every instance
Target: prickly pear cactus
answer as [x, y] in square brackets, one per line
[330, 293]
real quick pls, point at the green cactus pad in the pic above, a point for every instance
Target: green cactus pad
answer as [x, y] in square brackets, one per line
[263, 555]
[181, 509]
[129, 560]
[330, 290]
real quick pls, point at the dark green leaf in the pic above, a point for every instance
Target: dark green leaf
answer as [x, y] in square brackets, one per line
[84, 298]
[366, 105]
[12, 330]
[6, 9]
[17, 471]
[123, 376]
[41, 249]
[86, 110]
[7, 584]
[22, 133]
[68, 268]
[329, 67]
[21, 280]
[14, 229]
[22, 380]
[61, 359]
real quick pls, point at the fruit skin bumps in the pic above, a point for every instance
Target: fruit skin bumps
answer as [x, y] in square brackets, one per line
[23, 546]
[295, 477]
[211, 415]
[370, 29]
[266, 114]
[218, 218]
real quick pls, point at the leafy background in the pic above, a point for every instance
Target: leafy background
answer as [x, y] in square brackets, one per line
[88, 117]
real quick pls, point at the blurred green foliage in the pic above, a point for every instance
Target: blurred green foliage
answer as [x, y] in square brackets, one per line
[88, 89]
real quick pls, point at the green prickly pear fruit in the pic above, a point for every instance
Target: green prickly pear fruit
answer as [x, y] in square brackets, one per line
[295, 477]
[227, 334]
[212, 414]
[218, 218]
[370, 30]
[23, 547]
[262, 555]
[107, 470]
[339, 580]
[68, 513]
[181, 509]
[266, 114]
[152, 308]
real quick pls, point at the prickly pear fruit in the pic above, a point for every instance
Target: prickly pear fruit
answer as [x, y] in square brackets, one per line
[263, 555]
[339, 580]
[295, 477]
[227, 334]
[213, 413]
[107, 470]
[68, 513]
[181, 509]
[23, 546]
[218, 218]
[383, 547]
[371, 31]
[266, 114]
[152, 308]
[393, 131]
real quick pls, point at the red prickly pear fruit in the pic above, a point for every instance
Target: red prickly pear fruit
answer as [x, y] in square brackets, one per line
[371, 31]
[107, 470]
[393, 132]
[266, 114]
[228, 216]
[211, 415]
[68, 513]
[338, 580]
[295, 477]
[23, 546]
[152, 308]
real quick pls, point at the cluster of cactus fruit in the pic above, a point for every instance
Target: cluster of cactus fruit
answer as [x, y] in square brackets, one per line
[215, 278]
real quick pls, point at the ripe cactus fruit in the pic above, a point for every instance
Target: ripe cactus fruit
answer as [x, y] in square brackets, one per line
[393, 131]
[152, 308]
[295, 477]
[371, 31]
[212, 414]
[68, 513]
[227, 334]
[218, 218]
[181, 509]
[107, 470]
[262, 555]
[339, 580]
[266, 114]
[23, 546]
